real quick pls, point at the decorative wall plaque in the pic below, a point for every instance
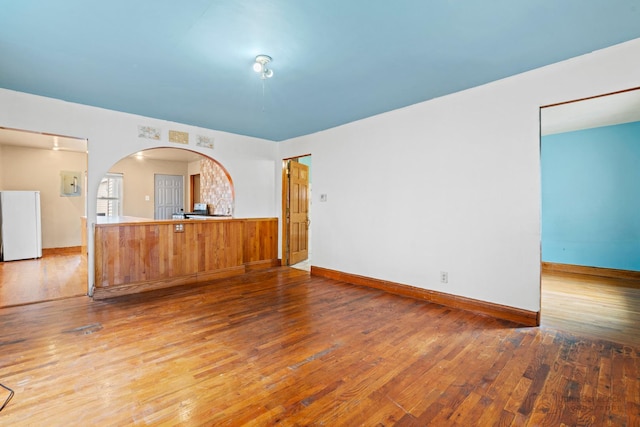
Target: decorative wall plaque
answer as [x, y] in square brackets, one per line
[204, 141]
[179, 137]
[149, 132]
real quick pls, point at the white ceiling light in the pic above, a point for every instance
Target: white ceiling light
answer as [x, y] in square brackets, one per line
[260, 66]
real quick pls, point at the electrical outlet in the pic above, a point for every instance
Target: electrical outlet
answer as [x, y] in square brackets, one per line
[444, 277]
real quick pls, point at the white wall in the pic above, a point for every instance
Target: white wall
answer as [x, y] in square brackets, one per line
[451, 184]
[114, 135]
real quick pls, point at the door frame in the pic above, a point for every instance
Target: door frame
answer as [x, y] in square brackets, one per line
[572, 101]
[194, 190]
[285, 207]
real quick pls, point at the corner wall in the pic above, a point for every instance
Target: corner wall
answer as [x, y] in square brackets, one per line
[449, 185]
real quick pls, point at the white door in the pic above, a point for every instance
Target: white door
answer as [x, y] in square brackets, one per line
[169, 195]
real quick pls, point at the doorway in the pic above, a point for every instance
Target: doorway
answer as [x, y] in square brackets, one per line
[296, 215]
[195, 190]
[589, 168]
[38, 161]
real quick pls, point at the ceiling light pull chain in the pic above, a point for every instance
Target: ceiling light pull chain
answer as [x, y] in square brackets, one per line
[263, 96]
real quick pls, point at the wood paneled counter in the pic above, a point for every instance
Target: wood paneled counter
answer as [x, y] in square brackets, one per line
[135, 255]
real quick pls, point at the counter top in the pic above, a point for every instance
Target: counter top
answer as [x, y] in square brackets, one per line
[132, 220]
[121, 219]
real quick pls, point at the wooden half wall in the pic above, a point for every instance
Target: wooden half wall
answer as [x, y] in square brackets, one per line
[143, 256]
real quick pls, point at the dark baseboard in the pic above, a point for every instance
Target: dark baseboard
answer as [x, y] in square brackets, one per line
[516, 315]
[591, 271]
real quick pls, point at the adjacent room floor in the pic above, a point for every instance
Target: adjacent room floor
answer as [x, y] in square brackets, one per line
[593, 306]
[51, 277]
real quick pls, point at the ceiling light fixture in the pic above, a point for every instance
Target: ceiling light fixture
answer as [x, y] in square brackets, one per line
[260, 66]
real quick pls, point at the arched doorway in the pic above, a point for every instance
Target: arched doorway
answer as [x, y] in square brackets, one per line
[131, 186]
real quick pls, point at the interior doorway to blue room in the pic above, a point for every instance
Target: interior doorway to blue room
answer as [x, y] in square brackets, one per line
[590, 197]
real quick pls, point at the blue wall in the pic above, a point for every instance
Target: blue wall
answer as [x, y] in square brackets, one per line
[306, 160]
[591, 197]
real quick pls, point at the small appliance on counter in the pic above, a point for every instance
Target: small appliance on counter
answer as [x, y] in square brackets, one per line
[199, 209]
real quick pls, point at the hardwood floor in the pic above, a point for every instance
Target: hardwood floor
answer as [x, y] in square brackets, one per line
[592, 306]
[54, 276]
[281, 347]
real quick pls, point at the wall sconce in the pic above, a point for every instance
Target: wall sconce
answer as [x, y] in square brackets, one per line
[260, 66]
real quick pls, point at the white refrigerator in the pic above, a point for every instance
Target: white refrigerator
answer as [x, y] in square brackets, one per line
[20, 225]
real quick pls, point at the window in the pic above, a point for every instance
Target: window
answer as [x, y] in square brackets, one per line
[110, 195]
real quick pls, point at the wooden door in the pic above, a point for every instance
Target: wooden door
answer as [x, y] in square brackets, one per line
[298, 212]
[194, 196]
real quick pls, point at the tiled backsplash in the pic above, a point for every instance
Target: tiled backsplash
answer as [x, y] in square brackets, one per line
[216, 187]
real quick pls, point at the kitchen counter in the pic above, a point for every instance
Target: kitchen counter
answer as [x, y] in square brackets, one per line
[121, 219]
[188, 215]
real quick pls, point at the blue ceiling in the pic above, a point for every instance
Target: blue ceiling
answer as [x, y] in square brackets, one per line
[334, 61]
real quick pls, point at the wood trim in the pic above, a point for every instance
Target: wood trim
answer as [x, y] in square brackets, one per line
[261, 265]
[192, 279]
[220, 274]
[590, 97]
[100, 292]
[297, 157]
[283, 214]
[512, 314]
[70, 250]
[591, 271]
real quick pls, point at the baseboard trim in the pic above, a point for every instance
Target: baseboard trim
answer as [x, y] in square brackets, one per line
[261, 265]
[69, 250]
[552, 267]
[516, 315]
[104, 292]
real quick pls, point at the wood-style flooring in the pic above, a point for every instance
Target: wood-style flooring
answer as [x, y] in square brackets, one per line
[592, 306]
[54, 276]
[280, 347]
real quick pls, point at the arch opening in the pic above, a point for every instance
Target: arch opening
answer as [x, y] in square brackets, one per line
[159, 182]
